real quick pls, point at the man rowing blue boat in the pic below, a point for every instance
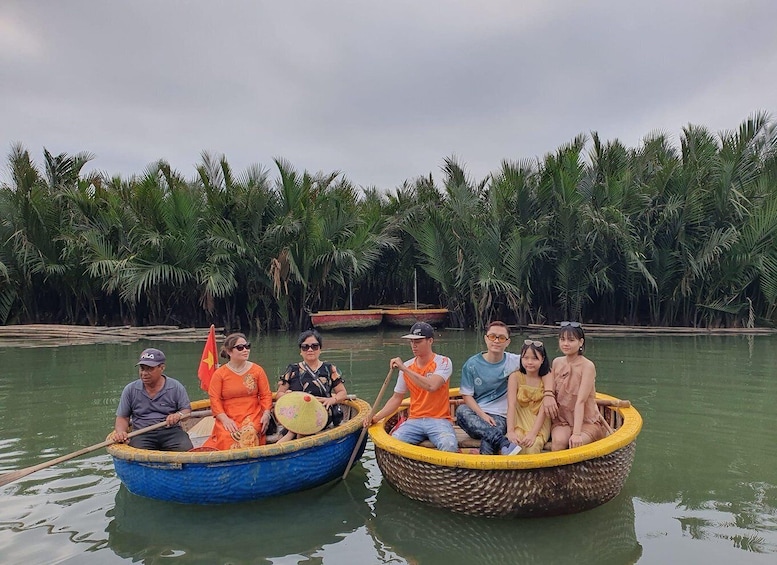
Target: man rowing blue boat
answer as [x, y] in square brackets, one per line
[153, 398]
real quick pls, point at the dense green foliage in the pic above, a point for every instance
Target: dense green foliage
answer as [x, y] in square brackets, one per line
[596, 231]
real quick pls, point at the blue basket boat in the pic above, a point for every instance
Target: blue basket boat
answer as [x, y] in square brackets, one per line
[238, 475]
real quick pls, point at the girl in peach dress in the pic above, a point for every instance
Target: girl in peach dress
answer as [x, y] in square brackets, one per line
[240, 399]
[578, 421]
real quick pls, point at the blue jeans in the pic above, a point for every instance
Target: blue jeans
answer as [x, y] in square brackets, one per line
[437, 430]
[491, 437]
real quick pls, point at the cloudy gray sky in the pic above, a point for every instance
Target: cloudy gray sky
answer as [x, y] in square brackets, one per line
[382, 91]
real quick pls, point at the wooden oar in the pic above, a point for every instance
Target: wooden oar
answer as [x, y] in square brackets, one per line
[369, 416]
[617, 403]
[15, 475]
[614, 403]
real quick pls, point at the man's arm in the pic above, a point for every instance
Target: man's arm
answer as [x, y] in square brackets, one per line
[120, 429]
[389, 408]
[429, 382]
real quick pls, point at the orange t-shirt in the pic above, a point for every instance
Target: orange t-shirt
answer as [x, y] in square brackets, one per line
[425, 404]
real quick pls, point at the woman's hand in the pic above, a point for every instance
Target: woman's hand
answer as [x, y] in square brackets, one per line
[328, 402]
[550, 406]
[264, 421]
[526, 441]
[513, 437]
[228, 423]
[575, 440]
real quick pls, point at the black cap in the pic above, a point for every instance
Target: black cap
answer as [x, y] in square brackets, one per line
[420, 330]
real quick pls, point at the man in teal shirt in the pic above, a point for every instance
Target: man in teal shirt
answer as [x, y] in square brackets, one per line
[484, 390]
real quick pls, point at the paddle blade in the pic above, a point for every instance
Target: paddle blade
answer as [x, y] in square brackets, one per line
[208, 361]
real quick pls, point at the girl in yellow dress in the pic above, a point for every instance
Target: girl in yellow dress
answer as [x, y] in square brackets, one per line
[527, 425]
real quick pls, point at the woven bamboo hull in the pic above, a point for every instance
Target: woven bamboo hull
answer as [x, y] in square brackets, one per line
[217, 477]
[408, 317]
[346, 319]
[510, 493]
[545, 484]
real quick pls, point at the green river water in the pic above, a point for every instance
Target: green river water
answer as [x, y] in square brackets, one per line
[703, 488]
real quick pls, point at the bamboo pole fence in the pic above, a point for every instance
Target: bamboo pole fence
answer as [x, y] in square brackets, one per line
[612, 330]
[55, 335]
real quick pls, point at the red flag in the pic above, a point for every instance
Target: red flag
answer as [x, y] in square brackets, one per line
[208, 362]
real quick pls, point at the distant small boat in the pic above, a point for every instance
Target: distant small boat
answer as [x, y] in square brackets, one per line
[346, 319]
[406, 317]
[407, 314]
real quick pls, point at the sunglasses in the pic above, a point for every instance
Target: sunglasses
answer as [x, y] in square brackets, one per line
[242, 346]
[533, 342]
[309, 346]
[571, 324]
[498, 338]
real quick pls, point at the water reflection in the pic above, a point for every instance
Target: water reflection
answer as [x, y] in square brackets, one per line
[703, 485]
[415, 531]
[298, 524]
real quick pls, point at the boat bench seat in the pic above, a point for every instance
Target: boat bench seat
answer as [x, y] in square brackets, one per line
[467, 444]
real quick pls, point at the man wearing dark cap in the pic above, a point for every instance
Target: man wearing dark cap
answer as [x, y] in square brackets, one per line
[425, 377]
[151, 399]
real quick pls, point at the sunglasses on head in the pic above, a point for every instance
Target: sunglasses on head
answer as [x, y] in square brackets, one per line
[572, 324]
[495, 337]
[533, 342]
[309, 346]
[242, 346]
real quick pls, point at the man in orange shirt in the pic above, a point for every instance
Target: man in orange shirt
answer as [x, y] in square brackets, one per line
[425, 377]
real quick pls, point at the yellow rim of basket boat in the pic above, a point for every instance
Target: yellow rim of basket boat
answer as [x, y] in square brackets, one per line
[627, 433]
[125, 452]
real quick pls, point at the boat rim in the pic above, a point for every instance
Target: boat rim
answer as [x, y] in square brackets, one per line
[415, 310]
[354, 424]
[347, 312]
[623, 436]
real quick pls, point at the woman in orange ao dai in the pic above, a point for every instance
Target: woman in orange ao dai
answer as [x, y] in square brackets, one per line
[240, 398]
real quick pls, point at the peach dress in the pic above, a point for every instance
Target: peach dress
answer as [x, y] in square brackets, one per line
[567, 385]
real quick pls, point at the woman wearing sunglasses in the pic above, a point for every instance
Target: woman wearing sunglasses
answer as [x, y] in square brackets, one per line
[573, 382]
[316, 377]
[240, 398]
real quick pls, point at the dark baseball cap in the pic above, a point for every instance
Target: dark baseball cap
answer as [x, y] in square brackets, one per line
[151, 357]
[420, 330]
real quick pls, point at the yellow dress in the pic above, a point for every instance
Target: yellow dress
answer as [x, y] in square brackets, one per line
[529, 402]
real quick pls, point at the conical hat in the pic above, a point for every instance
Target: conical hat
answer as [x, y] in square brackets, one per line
[301, 413]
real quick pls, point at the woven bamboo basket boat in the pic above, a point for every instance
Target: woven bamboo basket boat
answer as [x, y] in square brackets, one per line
[545, 484]
[237, 475]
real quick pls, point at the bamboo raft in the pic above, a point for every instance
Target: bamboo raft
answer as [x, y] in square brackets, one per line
[545, 484]
[56, 335]
[613, 330]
